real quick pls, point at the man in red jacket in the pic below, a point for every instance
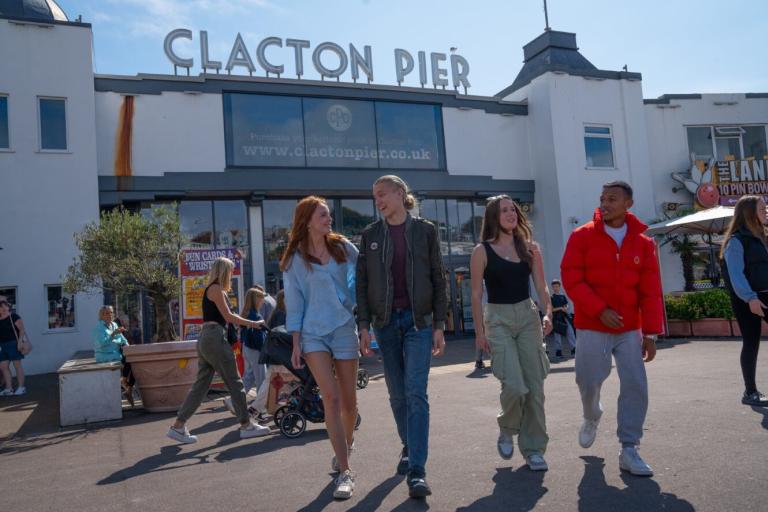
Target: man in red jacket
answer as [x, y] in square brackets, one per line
[611, 273]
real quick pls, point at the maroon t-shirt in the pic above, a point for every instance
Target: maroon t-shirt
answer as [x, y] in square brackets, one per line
[399, 258]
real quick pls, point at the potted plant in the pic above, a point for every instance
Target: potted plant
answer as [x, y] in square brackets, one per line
[679, 316]
[716, 312]
[131, 252]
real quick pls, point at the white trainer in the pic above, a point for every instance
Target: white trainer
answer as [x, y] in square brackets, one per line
[229, 406]
[505, 445]
[21, 390]
[6, 392]
[536, 462]
[181, 435]
[588, 432]
[630, 460]
[253, 430]
[345, 486]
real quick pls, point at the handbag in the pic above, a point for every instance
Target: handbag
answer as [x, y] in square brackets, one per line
[26, 345]
[231, 334]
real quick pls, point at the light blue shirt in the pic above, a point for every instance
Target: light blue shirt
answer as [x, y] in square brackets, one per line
[321, 299]
[105, 347]
[734, 260]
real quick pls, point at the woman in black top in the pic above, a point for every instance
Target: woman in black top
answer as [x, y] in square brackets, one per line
[215, 356]
[511, 328]
[11, 334]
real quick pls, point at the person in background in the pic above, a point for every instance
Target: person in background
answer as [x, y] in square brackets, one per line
[278, 314]
[510, 328]
[561, 322]
[745, 262]
[611, 271]
[11, 333]
[108, 343]
[319, 274]
[216, 356]
[268, 305]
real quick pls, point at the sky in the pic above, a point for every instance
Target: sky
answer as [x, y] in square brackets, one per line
[679, 46]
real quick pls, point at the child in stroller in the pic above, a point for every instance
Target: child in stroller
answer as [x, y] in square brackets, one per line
[305, 403]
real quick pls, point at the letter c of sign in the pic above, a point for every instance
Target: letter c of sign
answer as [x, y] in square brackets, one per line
[168, 47]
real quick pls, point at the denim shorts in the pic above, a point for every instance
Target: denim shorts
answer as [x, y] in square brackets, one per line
[9, 351]
[342, 343]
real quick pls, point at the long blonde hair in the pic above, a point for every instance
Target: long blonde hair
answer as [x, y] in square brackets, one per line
[252, 297]
[221, 273]
[409, 200]
[745, 216]
[522, 235]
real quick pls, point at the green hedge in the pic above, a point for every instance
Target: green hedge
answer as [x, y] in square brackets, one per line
[712, 303]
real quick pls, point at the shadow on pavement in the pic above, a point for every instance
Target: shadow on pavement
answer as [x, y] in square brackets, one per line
[174, 457]
[759, 410]
[376, 496]
[324, 498]
[640, 493]
[517, 490]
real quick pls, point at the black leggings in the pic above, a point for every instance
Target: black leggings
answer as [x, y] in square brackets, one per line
[127, 372]
[750, 325]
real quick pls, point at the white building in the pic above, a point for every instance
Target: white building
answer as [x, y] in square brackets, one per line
[236, 152]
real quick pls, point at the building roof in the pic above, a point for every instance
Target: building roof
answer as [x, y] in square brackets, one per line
[35, 10]
[557, 51]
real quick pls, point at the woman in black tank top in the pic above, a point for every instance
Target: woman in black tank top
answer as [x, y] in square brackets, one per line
[510, 328]
[215, 356]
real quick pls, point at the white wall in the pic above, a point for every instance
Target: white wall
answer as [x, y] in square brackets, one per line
[479, 143]
[172, 132]
[46, 197]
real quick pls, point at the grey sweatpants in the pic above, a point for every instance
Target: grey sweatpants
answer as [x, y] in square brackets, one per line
[593, 365]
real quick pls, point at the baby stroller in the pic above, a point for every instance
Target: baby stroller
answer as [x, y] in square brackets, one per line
[304, 403]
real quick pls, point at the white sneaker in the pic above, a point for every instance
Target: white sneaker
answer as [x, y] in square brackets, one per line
[630, 460]
[229, 406]
[20, 391]
[505, 445]
[536, 462]
[345, 486]
[253, 430]
[181, 435]
[588, 432]
[335, 463]
[6, 392]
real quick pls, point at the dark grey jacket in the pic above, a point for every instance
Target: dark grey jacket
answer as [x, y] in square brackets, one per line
[424, 275]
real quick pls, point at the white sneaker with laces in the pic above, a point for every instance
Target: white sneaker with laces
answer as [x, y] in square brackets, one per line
[630, 460]
[6, 392]
[229, 406]
[253, 430]
[588, 432]
[505, 445]
[536, 462]
[181, 435]
[345, 486]
[20, 391]
[335, 463]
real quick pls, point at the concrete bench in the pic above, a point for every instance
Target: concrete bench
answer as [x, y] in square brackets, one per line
[89, 391]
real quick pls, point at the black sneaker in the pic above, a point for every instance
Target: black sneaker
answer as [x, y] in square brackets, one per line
[418, 486]
[573, 352]
[559, 353]
[756, 399]
[479, 365]
[402, 465]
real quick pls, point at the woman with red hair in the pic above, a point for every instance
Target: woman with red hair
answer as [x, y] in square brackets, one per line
[319, 275]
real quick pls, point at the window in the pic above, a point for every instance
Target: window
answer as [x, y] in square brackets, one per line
[409, 136]
[730, 142]
[5, 142]
[460, 221]
[434, 211]
[196, 220]
[700, 142]
[598, 144]
[355, 215]
[339, 133]
[61, 308]
[231, 219]
[754, 142]
[53, 124]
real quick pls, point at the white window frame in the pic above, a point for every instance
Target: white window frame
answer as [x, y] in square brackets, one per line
[609, 136]
[57, 330]
[713, 134]
[40, 126]
[7, 97]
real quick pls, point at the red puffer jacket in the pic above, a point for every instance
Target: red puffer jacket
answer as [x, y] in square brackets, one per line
[597, 275]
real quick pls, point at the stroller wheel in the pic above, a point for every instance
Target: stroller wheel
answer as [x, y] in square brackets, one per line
[279, 413]
[358, 421]
[293, 424]
[362, 378]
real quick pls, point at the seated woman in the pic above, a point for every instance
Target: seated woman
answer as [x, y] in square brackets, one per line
[108, 342]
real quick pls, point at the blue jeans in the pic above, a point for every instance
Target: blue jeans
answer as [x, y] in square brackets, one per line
[407, 353]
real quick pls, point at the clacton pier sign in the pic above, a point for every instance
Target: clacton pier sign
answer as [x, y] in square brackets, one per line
[432, 69]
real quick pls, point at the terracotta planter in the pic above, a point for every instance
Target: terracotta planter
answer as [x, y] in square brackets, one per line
[737, 331]
[705, 327]
[679, 328]
[164, 372]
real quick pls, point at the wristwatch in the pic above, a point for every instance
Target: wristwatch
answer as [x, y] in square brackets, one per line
[653, 337]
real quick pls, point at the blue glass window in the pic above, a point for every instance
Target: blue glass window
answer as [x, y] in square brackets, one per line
[409, 135]
[598, 145]
[4, 138]
[53, 124]
[339, 133]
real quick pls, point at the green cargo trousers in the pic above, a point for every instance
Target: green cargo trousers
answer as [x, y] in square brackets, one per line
[519, 361]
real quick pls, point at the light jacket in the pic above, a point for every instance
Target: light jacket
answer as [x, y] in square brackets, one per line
[106, 348]
[598, 275]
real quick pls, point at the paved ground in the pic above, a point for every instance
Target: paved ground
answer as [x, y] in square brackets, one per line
[708, 450]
